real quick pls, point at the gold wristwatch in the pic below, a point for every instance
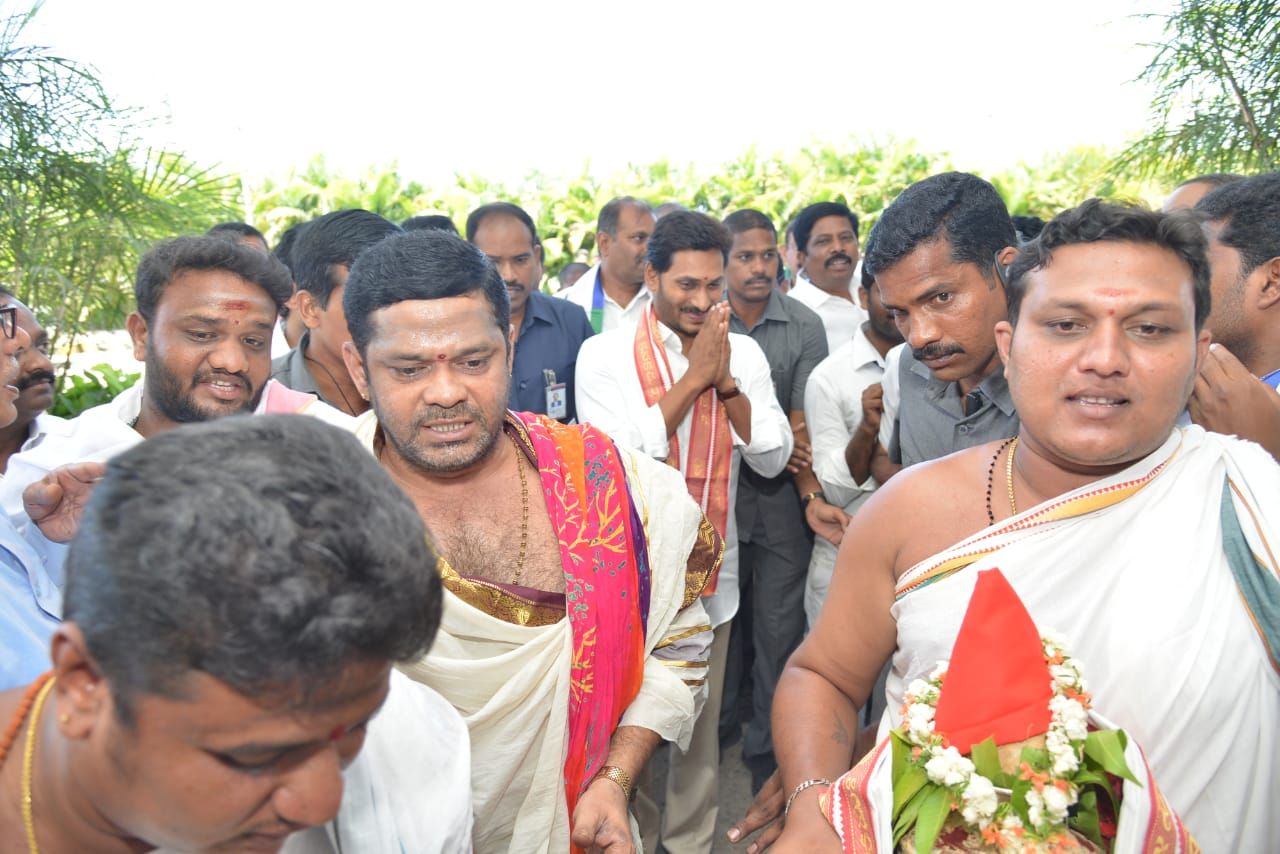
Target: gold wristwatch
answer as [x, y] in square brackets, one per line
[622, 778]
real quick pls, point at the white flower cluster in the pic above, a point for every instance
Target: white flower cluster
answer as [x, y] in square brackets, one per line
[1069, 719]
[1049, 801]
[948, 768]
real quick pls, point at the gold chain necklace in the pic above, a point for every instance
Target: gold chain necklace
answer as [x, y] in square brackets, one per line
[28, 764]
[524, 510]
[1008, 476]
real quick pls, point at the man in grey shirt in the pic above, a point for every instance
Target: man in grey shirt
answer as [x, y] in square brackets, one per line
[774, 540]
[937, 255]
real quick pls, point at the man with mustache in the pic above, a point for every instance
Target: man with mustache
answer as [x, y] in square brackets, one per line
[548, 331]
[681, 387]
[826, 236]
[937, 255]
[573, 640]
[612, 293]
[224, 680]
[774, 541]
[205, 311]
[35, 385]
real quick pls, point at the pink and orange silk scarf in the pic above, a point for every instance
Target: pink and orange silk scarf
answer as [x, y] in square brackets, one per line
[606, 573]
[710, 445]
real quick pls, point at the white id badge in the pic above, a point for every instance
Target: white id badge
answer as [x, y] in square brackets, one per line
[557, 401]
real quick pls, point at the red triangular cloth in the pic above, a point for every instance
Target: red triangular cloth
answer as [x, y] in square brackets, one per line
[997, 684]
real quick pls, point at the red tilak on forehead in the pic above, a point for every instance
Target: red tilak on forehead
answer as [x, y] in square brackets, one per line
[235, 305]
[338, 732]
[440, 357]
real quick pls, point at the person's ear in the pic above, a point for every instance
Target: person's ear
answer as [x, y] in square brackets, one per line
[137, 326]
[650, 277]
[82, 699]
[1269, 293]
[863, 298]
[308, 308]
[355, 367]
[1203, 341]
[1004, 340]
[603, 242]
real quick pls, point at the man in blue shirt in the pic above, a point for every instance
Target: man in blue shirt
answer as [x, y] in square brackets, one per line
[30, 600]
[548, 331]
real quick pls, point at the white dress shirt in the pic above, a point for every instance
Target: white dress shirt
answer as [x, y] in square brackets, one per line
[832, 412]
[841, 317]
[610, 397]
[616, 316]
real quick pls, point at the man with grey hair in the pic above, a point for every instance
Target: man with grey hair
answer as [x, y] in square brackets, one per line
[612, 293]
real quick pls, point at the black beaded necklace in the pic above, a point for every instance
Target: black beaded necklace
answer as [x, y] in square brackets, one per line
[991, 478]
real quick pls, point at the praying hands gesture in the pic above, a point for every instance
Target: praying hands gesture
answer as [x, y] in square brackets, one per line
[709, 352]
[56, 501]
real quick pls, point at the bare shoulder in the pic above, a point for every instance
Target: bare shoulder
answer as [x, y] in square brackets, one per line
[929, 506]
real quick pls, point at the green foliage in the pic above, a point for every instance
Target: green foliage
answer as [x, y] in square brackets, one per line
[1217, 101]
[79, 199]
[98, 385]
[867, 177]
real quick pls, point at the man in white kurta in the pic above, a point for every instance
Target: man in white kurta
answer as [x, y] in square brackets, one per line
[1152, 550]
[833, 413]
[685, 276]
[572, 639]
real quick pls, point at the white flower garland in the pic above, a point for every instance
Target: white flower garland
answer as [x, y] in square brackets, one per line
[1052, 792]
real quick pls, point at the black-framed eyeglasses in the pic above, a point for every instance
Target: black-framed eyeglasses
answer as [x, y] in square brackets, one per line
[9, 321]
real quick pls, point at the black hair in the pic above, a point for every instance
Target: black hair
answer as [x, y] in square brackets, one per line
[865, 279]
[1250, 212]
[607, 222]
[1213, 179]
[1095, 221]
[420, 265]
[334, 240]
[1027, 227]
[685, 230]
[429, 222]
[956, 206]
[269, 552]
[170, 258]
[480, 214]
[284, 246]
[236, 231]
[808, 218]
[748, 220]
[567, 267]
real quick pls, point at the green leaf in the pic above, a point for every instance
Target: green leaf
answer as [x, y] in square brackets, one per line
[986, 760]
[901, 753]
[1037, 758]
[906, 819]
[933, 812]
[1085, 819]
[1018, 799]
[912, 780]
[1106, 749]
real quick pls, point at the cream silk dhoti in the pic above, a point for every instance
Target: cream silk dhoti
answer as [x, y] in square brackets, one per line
[1131, 571]
[511, 682]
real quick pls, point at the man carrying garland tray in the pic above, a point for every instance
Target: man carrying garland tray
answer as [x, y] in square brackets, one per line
[1000, 751]
[1155, 549]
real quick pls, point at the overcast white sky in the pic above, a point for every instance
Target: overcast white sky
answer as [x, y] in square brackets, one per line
[500, 88]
